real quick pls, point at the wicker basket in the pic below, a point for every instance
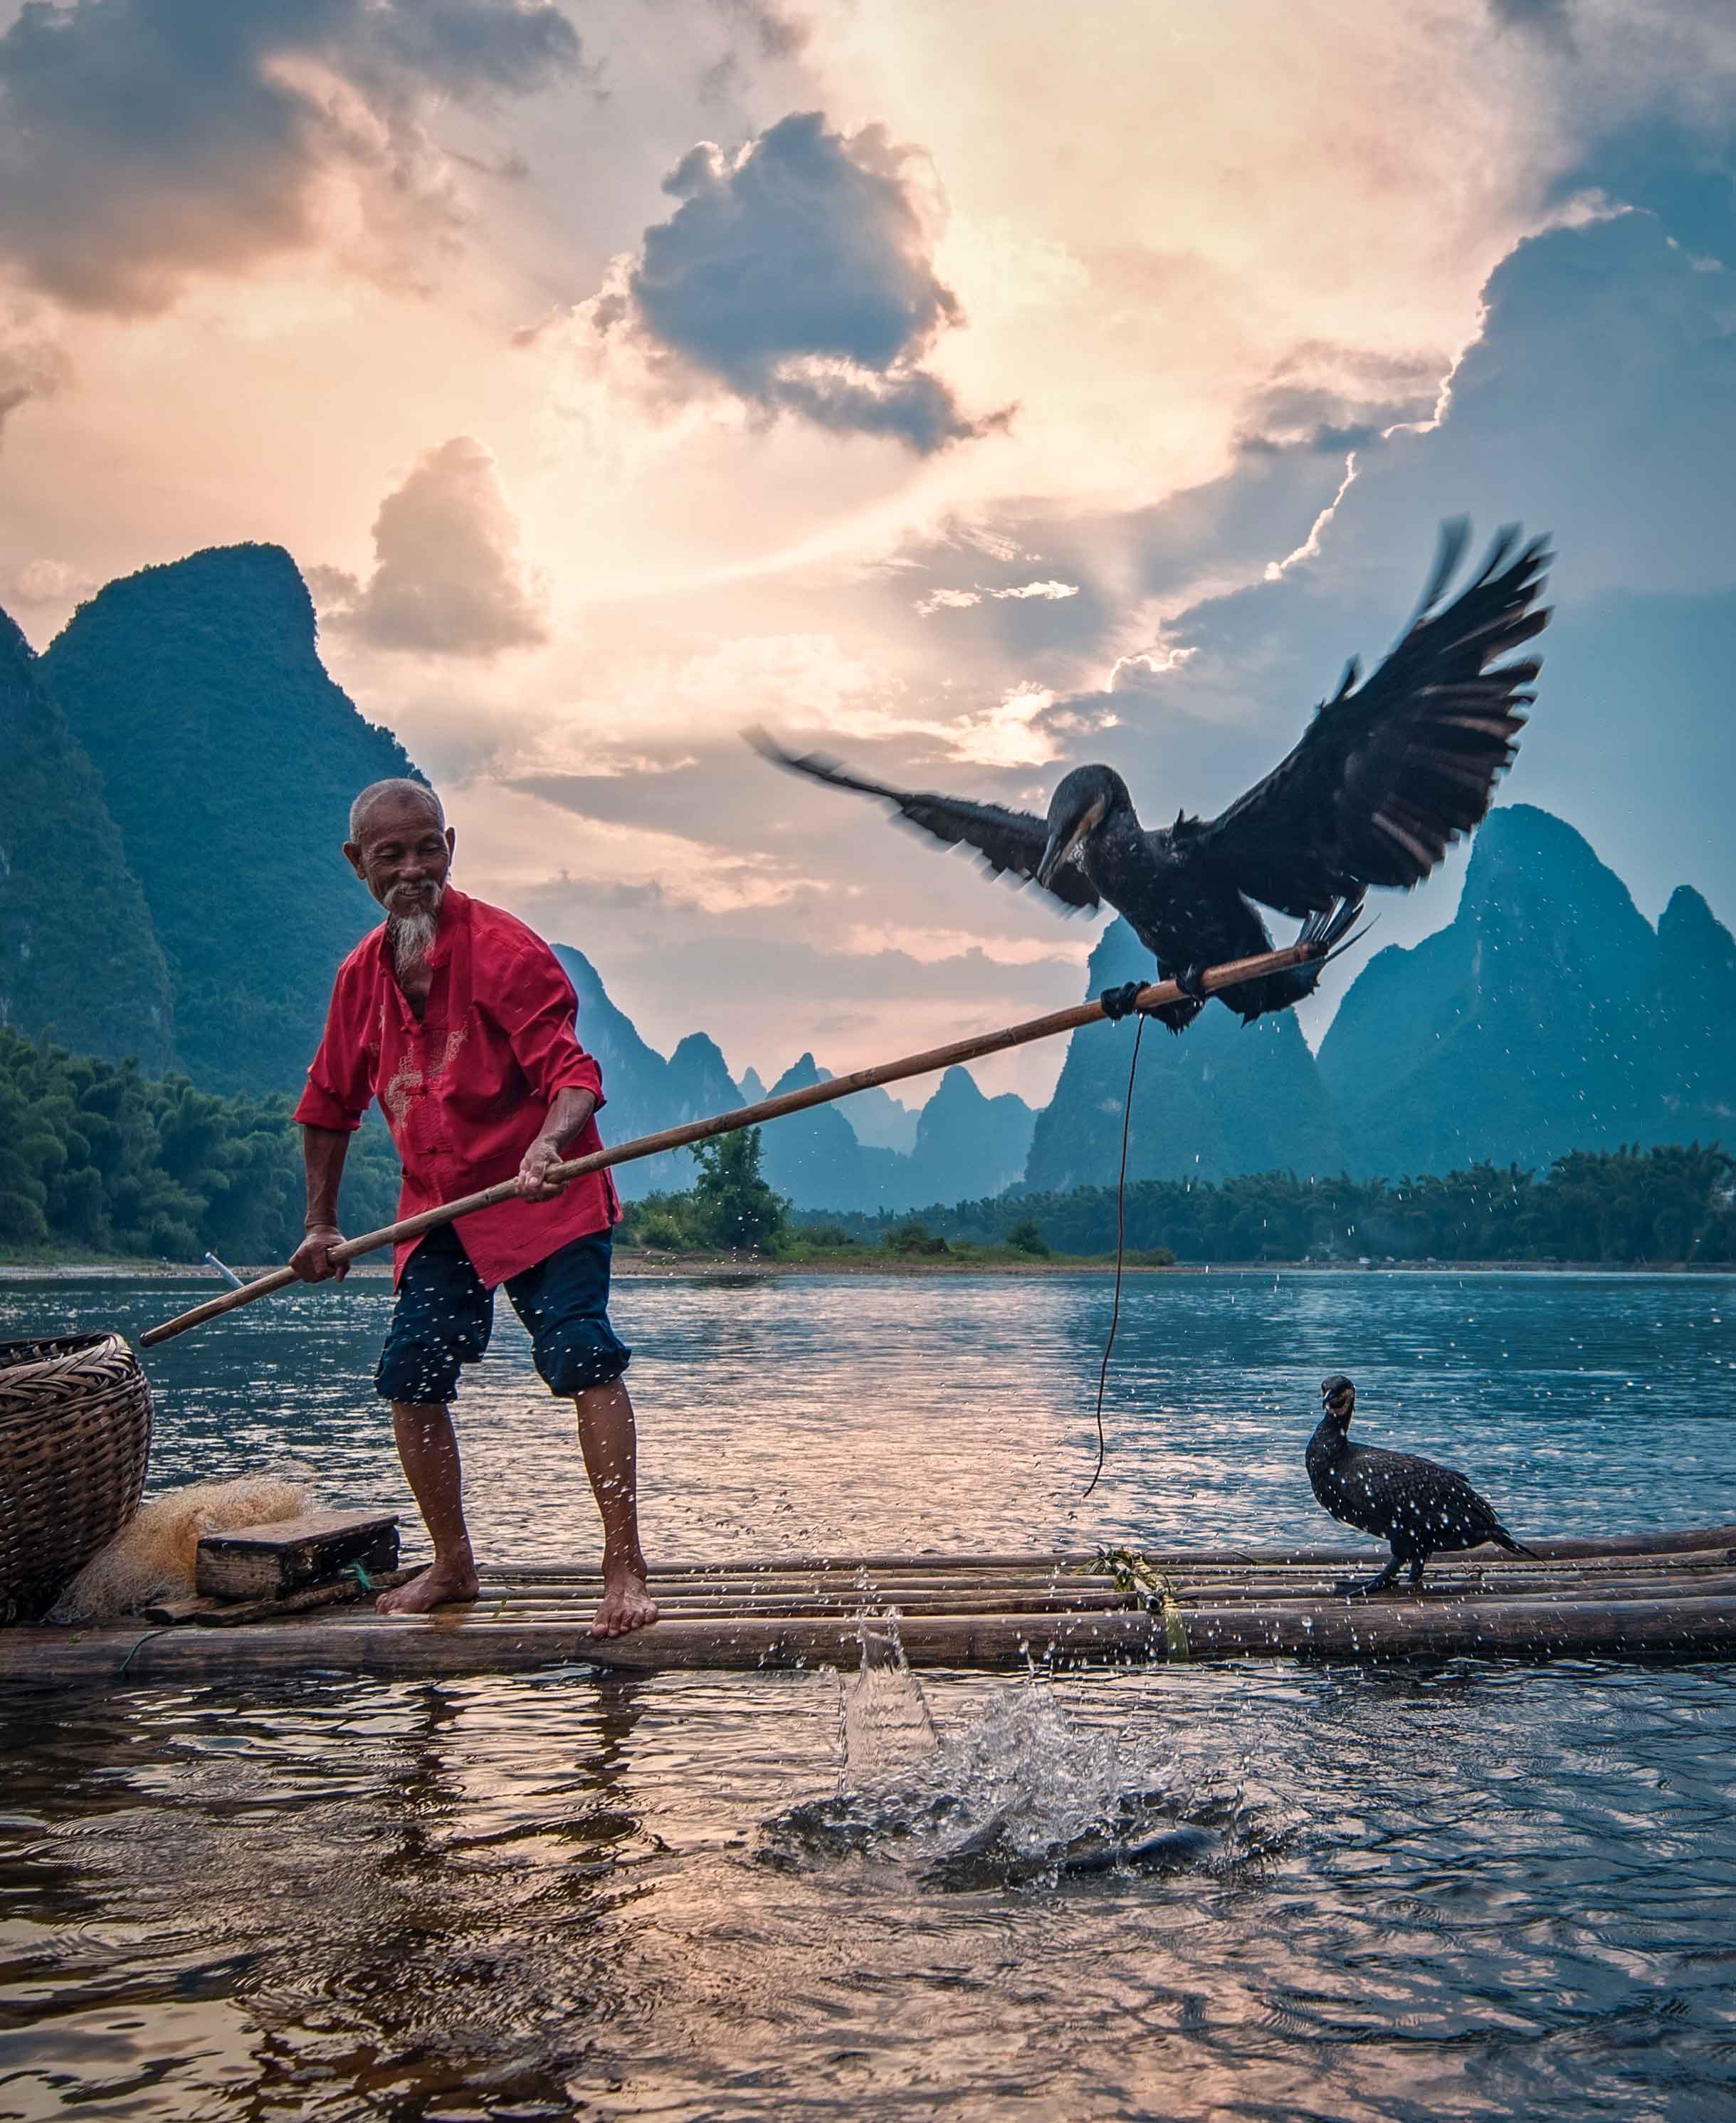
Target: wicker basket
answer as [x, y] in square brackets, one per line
[75, 1432]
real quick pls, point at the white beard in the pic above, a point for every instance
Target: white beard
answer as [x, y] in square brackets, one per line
[412, 937]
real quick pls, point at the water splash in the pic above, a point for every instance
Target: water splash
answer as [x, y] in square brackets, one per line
[886, 1729]
[1017, 1793]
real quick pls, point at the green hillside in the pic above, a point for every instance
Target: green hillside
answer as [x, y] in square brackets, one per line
[97, 1158]
[229, 760]
[78, 956]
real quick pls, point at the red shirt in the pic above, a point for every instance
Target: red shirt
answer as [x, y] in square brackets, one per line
[466, 1086]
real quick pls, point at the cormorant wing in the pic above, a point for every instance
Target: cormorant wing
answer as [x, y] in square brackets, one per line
[1418, 1495]
[1387, 776]
[1010, 841]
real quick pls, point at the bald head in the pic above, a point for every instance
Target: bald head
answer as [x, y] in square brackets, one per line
[400, 846]
[399, 796]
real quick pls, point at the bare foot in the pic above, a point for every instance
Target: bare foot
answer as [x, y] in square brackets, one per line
[626, 1603]
[446, 1581]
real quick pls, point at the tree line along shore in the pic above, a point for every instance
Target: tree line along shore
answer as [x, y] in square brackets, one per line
[100, 1162]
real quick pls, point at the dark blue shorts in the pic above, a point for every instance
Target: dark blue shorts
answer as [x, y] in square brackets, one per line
[444, 1313]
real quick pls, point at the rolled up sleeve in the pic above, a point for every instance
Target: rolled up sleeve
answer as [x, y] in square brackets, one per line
[338, 1090]
[537, 1010]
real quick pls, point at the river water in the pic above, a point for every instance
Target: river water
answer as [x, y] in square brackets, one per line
[1259, 1892]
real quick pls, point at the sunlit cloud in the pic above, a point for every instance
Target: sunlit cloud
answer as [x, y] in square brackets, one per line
[931, 947]
[51, 582]
[1309, 548]
[674, 870]
[143, 144]
[962, 600]
[448, 578]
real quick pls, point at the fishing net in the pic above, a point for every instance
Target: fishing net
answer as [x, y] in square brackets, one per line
[152, 1557]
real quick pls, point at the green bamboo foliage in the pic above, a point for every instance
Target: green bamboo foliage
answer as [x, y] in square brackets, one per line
[96, 1157]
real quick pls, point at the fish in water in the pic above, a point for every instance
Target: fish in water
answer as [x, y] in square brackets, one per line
[1385, 778]
[984, 1860]
[1419, 1507]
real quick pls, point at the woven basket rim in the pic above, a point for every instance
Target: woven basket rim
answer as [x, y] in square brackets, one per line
[45, 1348]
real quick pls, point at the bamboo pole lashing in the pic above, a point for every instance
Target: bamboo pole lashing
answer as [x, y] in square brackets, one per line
[929, 1063]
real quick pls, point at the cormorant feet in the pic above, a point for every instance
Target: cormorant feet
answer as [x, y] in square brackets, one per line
[1363, 1588]
[1192, 984]
[1120, 1002]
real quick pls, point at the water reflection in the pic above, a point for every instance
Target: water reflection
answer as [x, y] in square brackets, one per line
[1480, 1893]
[845, 1412]
[1477, 1892]
[400, 1888]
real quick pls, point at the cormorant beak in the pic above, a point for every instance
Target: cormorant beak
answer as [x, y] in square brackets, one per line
[1064, 839]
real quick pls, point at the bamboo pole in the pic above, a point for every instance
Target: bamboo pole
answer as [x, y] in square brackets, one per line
[1711, 1543]
[936, 1058]
[466, 1642]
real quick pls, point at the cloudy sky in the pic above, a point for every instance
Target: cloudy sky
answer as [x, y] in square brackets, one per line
[968, 389]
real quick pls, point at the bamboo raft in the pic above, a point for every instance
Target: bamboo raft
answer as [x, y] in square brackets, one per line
[1656, 1597]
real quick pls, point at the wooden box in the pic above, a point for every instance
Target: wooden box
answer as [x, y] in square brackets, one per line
[266, 1562]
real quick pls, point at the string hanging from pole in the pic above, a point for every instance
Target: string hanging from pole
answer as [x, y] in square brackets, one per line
[1120, 1242]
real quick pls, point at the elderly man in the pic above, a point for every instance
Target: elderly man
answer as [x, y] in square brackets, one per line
[460, 1021]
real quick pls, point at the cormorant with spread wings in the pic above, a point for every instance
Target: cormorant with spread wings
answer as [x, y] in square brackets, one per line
[1385, 778]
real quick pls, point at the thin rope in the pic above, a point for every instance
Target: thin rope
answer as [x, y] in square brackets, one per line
[1120, 1245]
[141, 1642]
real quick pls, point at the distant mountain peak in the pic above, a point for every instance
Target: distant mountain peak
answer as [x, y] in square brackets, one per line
[1519, 844]
[1689, 920]
[699, 1048]
[262, 580]
[956, 1088]
[802, 1073]
[201, 677]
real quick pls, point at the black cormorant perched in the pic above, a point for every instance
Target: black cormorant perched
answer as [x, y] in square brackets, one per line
[1384, 779]
[1418, 1507]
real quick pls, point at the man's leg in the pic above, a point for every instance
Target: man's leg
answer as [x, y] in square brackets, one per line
[428, 1447]
[563, 1301]
[439, 1322]
[606, 1436]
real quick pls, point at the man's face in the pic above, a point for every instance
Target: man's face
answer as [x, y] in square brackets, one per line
[402, 856]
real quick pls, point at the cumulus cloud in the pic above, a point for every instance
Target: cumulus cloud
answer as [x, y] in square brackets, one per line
[1592, 406]
[50, 582]
[145, 141]
[1606, 363]
[449, 578]
[30, 368]
[799, 274]
[1331, 398]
